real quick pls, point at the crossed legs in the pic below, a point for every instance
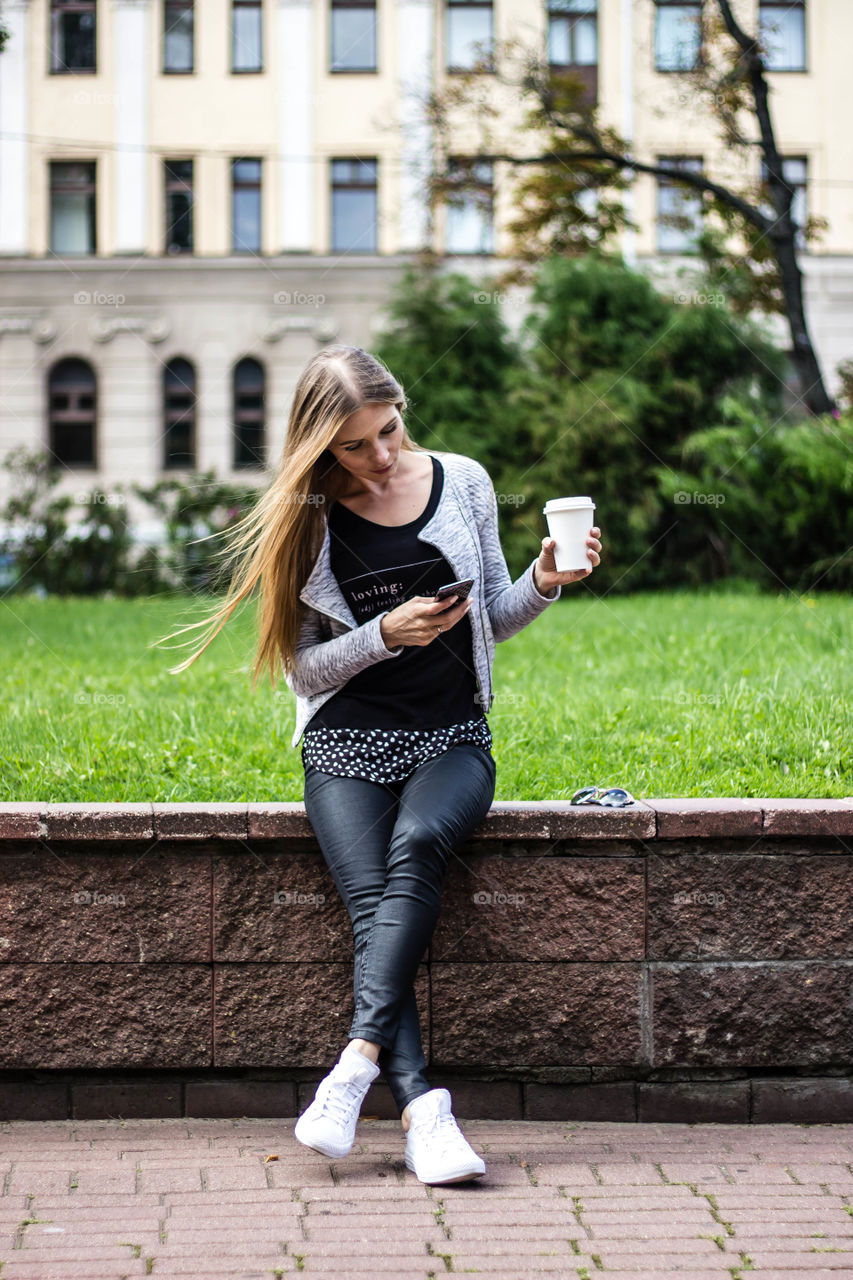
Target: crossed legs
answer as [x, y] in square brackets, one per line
[387, 847]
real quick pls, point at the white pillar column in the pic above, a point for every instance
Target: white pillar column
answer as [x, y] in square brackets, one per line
[131, 33]
[415, 57]
[296, 125]
[14, 119]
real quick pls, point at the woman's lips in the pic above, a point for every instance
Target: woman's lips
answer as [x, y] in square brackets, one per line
[382, 470]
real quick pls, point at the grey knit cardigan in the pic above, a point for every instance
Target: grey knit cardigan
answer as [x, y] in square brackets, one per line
[332, 648]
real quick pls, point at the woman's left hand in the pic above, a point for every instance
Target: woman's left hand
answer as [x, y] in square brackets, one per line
[545, 573]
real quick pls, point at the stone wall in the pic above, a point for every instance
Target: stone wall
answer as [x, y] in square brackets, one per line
[676, 960]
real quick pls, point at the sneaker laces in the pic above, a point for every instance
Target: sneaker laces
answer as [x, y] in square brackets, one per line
[444, 1130]
[339, 1099]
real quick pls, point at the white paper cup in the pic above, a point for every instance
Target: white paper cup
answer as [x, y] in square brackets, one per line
[569, 523]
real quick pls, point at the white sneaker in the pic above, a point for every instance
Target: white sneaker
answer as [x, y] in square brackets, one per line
[435, 1148]
[328, 1124]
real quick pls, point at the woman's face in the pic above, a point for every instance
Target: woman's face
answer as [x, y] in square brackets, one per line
[369, 441]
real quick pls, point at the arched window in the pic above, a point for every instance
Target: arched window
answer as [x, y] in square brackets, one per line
[72, 405]
[249, 414]
[179, 399]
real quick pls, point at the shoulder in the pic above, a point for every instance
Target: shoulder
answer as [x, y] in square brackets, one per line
[467, 470]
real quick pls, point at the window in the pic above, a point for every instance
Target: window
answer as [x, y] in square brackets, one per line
[72, 402]
[178, 414]
[353, 35]
[179, 206]
[470, 212]
[178, 28]
[572, 33]
[573, 41]
[246, 39]
[795, 173]
[73, 30]
[246, 206]
[677, 35]
[249, 414]
[354, 205]
[782, 31]
[72, 206]
[469, 33]
[679, 208]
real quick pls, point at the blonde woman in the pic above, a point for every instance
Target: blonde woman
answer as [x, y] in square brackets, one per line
[351, 542]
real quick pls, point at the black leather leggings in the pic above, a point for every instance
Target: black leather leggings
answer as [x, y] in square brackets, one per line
[387, 847]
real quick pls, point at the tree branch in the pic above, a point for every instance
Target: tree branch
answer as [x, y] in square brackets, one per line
[697, 180]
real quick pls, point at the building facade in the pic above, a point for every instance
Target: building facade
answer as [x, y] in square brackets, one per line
[195, 196]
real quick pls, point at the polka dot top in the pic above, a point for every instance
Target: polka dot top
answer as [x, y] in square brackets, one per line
[386, 755]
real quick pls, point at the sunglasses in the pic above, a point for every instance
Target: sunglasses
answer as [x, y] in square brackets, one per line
[613, 798]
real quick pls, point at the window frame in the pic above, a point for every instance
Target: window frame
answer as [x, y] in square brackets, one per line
[57, 9]
[177, 71]
[469, 196]
[89, 190]
[353, 186]
[353, 71]
[665, 183]
[53, 415]
[245, 184]
[246, 4]
[237, 413]
[787, 6]
[173, 185]
[166, 412]
[674, 4]
[449, 69]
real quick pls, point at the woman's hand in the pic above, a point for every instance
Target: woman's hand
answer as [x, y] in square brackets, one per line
[414, 621]
[545, 574]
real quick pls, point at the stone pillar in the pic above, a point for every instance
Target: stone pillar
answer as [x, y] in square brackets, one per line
[14, 120]
[296, 125]
[415, 58]
[132, 31]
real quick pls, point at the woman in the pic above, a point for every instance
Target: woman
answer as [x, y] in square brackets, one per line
[359, 529]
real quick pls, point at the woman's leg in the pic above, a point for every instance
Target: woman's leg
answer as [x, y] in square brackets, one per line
[353, 819]
[441, 803]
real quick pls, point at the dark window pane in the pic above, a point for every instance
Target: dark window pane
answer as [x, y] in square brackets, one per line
[73, 40]
[179, 414]
[249, 414]
[72, 400]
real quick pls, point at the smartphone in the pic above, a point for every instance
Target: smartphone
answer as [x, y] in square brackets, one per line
[460, 589]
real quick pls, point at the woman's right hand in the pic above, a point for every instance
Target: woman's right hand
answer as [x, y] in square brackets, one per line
[414, 621]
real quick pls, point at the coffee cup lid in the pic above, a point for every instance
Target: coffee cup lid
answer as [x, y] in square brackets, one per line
[566, 504]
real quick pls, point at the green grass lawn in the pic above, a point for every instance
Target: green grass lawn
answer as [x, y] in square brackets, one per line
[713, 693]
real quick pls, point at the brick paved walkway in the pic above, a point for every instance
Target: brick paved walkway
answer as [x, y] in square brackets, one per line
[180, 1199]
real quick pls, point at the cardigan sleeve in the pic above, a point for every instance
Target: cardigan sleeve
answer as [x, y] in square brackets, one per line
[325, 664]
[511, 606]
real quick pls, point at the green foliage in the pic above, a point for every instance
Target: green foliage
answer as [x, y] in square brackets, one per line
[193, 511]
[448, 344]
[784, 514]
[48, 549]
[69, 544]
[607, 380]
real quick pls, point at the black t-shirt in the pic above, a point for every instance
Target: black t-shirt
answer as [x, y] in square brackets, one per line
[377, 568]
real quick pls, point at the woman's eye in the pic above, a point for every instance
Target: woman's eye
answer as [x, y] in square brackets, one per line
[351, 448]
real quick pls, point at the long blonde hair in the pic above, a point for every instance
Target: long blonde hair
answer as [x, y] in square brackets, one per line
[276, 544]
